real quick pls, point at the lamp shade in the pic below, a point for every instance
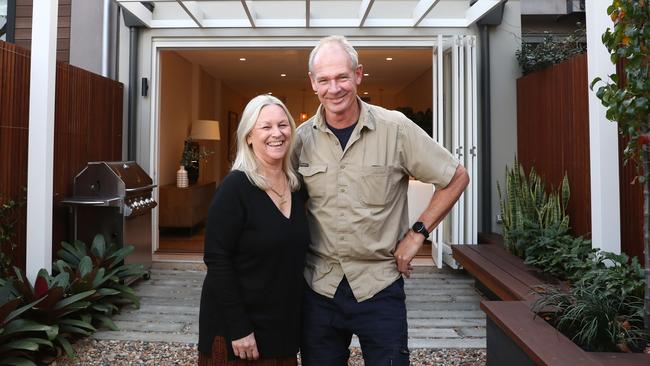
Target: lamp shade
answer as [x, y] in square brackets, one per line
[204, 129]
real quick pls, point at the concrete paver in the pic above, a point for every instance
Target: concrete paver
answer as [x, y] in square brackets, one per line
[443, 310]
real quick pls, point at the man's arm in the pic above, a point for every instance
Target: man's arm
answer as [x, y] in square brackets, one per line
[442, 201]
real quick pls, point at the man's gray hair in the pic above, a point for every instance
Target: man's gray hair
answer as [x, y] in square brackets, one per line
[341, 41]
[245, 160]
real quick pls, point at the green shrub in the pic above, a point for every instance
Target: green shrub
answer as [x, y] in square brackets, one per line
[100, 268]
[551, 51]
[20, 338]
[39, 322]
[8, 220]
[594, 320]
[615, 275]
[526, 206]
[61, 307]
[557, 253]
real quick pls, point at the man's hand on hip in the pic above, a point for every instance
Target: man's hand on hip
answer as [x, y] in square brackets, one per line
[406, 249]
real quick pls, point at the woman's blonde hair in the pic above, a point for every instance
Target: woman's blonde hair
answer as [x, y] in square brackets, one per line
[245, 159]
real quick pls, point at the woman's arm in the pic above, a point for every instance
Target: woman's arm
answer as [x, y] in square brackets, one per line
[223, 230]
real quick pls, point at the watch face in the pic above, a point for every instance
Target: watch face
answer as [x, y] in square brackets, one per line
[418, 226]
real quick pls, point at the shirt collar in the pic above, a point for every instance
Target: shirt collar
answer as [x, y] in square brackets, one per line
[366, 119]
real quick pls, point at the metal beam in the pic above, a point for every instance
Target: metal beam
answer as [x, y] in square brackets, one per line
[192, 9]
[138, 10]
[307, 12]
[480, 9]
[250, 13]
[422, 8]
[364, 10]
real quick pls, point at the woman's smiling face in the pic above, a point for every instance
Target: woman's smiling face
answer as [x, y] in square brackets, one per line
[270, 138]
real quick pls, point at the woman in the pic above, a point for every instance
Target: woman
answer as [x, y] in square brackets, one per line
[255, 242]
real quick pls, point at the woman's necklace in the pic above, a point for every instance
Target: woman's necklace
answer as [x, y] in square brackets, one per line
[280, 195]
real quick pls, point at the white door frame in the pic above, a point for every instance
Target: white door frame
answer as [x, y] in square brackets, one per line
[463, 218]
[169, 43]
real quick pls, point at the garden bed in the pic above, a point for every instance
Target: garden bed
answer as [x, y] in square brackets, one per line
[515, 336]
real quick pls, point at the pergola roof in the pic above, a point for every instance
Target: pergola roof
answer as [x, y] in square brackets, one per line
[307, 13]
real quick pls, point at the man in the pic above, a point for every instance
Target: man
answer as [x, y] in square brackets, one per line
[355, 160]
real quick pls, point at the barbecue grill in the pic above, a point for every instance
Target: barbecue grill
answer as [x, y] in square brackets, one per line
[114, 199]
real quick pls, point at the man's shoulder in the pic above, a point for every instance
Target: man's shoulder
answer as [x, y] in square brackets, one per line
[385, 116]
[305, 128]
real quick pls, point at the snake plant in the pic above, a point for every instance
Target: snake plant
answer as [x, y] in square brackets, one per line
[527, 204]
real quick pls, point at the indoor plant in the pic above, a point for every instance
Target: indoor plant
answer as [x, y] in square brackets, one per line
[190, 158]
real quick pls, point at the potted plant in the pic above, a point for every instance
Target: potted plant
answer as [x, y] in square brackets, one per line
[190, 158]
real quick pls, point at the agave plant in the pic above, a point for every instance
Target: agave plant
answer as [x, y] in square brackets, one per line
[58, 306]
[21, 338]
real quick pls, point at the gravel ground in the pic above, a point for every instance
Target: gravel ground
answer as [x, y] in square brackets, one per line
[92, 352]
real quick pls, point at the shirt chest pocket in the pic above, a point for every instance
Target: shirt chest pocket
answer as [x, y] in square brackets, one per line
[373, 185]
[315, 179]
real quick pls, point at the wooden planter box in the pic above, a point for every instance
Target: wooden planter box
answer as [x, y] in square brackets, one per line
[515, 336]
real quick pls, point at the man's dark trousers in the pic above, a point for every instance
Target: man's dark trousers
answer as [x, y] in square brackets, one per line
[379, 322]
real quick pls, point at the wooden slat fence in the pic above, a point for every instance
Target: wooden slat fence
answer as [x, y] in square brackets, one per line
[88, 126]
[553, 132]
[553, 137]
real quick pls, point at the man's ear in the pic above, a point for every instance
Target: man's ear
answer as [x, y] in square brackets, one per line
[312, 81]
[358, 73]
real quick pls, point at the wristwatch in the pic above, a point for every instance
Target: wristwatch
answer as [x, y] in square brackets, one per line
[419, 227]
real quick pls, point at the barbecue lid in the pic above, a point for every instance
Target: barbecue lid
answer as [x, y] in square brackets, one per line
[130, 173]
[106, 179]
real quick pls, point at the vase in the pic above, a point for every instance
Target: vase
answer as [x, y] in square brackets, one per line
[192, 171]
[182, 178]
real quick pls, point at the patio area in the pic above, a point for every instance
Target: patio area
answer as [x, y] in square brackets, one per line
[446, 326]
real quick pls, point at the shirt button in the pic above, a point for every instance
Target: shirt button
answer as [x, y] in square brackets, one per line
[342, 189]
[342, 166]
[336, 143]
[342, 237]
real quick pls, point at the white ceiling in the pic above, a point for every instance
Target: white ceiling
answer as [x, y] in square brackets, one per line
[309, 13]
[260, 73]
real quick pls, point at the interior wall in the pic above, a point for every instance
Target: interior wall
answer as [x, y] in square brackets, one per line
[232, 104]
[418, 94]
[175, 113]
[207, 109]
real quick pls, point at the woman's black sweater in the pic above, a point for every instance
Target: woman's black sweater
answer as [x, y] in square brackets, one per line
[255, 259]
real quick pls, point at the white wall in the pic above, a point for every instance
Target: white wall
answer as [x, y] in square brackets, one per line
[504, 71]
[86, 29]
[175, 113]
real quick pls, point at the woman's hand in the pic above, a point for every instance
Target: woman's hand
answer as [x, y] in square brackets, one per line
[246, 348]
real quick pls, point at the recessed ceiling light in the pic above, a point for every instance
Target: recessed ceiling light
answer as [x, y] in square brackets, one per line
[366, 74]
[242, 59]
[283, 75]
[389, 59]
[365, 93]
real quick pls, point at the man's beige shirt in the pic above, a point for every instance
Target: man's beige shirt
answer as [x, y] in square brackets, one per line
[357, 208]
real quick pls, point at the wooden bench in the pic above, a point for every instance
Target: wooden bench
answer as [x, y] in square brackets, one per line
[498, 271]
[515, 336]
